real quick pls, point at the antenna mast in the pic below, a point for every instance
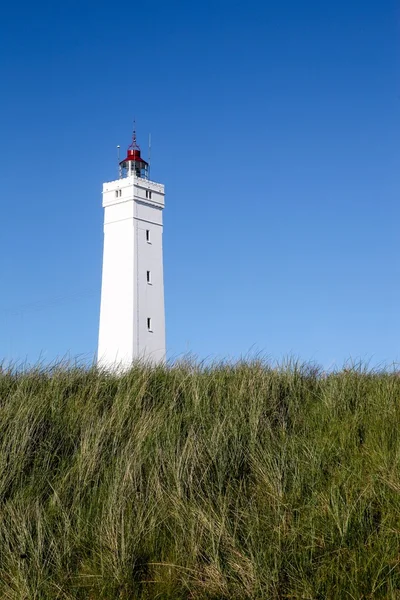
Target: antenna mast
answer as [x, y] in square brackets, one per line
[149, 159]
[118, 159]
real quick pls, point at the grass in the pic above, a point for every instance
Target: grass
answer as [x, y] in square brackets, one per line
[226, 482]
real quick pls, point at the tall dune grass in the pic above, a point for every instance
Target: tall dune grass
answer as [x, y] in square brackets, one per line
[227, 482]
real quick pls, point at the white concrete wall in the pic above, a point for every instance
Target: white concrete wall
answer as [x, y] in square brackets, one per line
[127, 299]
[149, 296]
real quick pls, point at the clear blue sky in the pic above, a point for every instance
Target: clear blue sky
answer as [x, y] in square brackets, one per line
[275, 129]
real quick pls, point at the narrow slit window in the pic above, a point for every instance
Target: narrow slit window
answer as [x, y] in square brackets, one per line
[148, 193]
[116, 193]
[120, 193]
[149, 324]
[147, 235]
[148, 276]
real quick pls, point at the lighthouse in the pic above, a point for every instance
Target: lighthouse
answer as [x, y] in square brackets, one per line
[132, 317]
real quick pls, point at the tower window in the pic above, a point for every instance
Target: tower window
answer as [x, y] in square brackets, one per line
[148, 276]
[148, 194]
[118, 193]
[149, 328]
[148, 235]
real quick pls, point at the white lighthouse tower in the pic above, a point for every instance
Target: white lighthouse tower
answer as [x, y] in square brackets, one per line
[132, 319]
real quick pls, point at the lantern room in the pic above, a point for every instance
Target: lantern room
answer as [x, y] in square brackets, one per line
[134, 164]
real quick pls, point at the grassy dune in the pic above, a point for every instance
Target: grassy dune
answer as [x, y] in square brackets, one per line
[229, 482]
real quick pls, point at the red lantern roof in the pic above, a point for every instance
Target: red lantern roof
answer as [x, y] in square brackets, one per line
[134, 152]
[133, 155]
